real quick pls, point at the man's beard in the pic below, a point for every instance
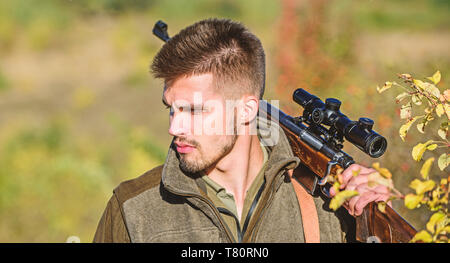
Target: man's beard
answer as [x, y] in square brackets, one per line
[204, 162]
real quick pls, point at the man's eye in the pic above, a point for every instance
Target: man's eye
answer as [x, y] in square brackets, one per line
[199, 110]
[196, 111]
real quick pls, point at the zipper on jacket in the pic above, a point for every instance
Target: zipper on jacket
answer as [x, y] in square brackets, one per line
[241, 233]
[214, 209]
[238, 226]
[264, 208]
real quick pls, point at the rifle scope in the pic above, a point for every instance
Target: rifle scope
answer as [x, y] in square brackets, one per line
[359, 132]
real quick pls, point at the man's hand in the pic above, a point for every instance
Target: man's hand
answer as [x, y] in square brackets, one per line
[360, 183]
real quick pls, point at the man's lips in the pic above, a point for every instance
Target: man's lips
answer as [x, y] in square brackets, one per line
[184, 148]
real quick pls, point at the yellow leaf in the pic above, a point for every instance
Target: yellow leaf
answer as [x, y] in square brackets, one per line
[405, 111]
[336, 187]
[401, 96]
[432, 89]
[422, 186]
[443, 161]
[428, 87]
[340, 198]
[412, 200]
[417, 99]
[387, 85]
[382, 207]
[376, 178]
[426, 167]
[419, 150]
[383, 171]
[405, 127]
[418, 83]
[442, 132]
[440, 110]
[431, 147]
[436, 77]
[423, 236]
[421, 127]
[435, 219]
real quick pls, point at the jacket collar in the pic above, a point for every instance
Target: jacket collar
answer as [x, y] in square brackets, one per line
[270, 134]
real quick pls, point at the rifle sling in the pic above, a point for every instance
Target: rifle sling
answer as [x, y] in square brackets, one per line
[310, 219]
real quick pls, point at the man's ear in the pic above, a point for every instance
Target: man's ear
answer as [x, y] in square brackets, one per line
[250, 109]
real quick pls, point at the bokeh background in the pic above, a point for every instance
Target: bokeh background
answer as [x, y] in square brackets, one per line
[80, 113]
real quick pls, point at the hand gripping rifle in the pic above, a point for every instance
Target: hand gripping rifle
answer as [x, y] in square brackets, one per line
[320, 151]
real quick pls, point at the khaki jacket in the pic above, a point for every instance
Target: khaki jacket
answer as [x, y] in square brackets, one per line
[166, 205]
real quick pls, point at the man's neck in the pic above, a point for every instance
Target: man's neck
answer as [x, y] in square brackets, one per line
[239, 168]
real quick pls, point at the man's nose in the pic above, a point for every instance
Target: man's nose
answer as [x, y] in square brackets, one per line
[179, 124]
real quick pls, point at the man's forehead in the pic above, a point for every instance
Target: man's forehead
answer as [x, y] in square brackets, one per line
[186, 87]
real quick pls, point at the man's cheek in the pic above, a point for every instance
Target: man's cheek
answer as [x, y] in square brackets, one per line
[213, 124]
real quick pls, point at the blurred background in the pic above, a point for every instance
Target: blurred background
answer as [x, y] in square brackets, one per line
[80, 113]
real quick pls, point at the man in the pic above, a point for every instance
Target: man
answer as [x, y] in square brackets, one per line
[221, 181]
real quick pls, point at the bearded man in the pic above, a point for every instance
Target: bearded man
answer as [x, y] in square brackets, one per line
[222, 181]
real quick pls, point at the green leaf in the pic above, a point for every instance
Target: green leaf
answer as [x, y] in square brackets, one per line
[443, 161]
[412, 200]
[340, 198]
[423, 236]
[422, 186]
[436, 78]
[436, 218]
[426, 167]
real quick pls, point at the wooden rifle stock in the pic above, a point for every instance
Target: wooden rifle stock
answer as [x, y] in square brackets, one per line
[372, 225]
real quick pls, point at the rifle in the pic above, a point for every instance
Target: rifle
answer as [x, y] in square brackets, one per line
[320, 152]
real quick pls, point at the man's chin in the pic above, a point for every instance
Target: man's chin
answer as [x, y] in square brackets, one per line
[191, 167]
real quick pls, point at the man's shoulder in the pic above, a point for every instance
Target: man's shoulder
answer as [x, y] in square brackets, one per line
[131, 188]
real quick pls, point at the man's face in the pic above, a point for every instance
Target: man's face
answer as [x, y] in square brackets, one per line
[203, 133]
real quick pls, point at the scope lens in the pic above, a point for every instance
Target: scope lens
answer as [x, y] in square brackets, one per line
[377, 147]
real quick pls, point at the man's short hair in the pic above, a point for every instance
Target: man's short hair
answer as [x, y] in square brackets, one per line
[225, 48]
